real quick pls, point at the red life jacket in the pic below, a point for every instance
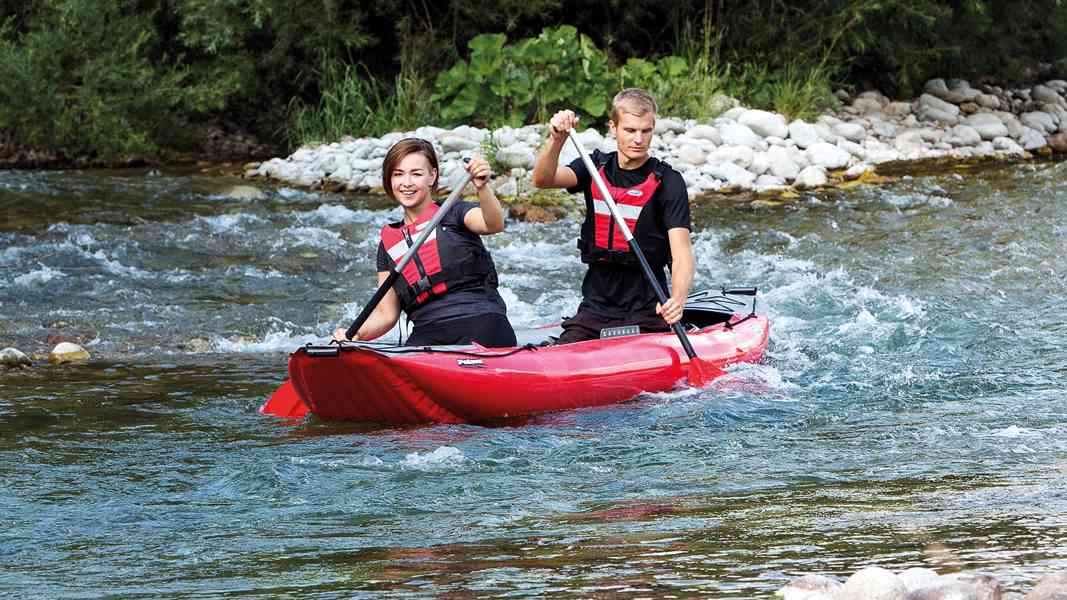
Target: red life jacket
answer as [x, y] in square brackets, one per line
[451, 259]
[608, 243]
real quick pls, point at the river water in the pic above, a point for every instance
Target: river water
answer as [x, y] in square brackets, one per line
[912, 409]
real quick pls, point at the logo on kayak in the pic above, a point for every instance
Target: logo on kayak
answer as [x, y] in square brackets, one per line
[634, 192]
[470, 362]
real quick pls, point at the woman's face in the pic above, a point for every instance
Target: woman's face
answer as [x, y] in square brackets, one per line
[412, 181]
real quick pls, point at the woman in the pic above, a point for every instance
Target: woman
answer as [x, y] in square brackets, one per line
[448, 290]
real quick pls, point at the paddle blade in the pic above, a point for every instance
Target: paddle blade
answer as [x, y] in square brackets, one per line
[701, 372]
[285, 403]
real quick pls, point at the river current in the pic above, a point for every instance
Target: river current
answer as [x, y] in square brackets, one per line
[911, 410]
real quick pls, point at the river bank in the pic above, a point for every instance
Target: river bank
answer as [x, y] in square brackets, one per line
[741, 151]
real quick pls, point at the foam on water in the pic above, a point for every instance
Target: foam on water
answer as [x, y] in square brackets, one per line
[315, 237]
[444, 457]
[335, 214]
[284, 340]
[38, 277]
[230, 223]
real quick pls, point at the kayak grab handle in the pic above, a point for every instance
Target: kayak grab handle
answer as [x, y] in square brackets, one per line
[332, 350]
[739, 291]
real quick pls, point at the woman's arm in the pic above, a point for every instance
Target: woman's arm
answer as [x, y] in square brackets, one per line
[488, 218]
[381, 320]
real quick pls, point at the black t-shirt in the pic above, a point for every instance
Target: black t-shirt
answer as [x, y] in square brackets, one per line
[452, 305]
[618, 290]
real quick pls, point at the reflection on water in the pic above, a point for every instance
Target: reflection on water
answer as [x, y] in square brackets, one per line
[910, 413]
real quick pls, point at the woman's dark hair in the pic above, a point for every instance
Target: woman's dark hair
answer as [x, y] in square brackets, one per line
[397, 153]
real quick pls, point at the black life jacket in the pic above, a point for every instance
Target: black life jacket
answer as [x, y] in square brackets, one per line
[608, 243]
[451, 259]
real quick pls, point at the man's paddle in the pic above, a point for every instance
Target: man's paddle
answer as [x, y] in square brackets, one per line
[700, 372]
[285, 402]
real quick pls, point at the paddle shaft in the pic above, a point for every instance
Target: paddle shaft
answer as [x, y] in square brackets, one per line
[626, 233]
[383, 289]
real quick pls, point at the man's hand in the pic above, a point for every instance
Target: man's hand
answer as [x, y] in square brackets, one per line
[561, 123]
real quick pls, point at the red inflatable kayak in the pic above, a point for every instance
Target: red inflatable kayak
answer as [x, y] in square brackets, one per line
[469, 384]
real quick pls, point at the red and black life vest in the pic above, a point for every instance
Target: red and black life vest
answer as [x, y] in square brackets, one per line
[607, 243]
[451, 259]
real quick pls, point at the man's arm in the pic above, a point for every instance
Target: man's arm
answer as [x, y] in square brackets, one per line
[547, 172]
[681, 274]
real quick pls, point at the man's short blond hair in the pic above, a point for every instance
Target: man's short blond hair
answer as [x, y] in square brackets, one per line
[634, 101]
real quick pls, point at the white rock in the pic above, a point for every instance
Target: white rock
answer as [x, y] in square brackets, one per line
[739, 155]
[517, 156]
[452, 142]
[937, 87]
[691, 154]
[909, 142]
[1032, 139]
[68, 352]
[897, 109]
[827, 156]
[873, 583]
[13, 357]
[988, 125]
[736, 134]
[781, 163]
[1041, 121]
[987, 101]
[809, 587]
[1042, 93]
[826, 133]
[962, 135]
[665, 124]
[917, 578]
[764, 123]
[852, 148]
[803, 134]
[1006, 144]
[734, 113]
[760, 163]
[857, 170]
[733, 175]
[769, 182]
[850, 131]
[705, 132]
[811, 177]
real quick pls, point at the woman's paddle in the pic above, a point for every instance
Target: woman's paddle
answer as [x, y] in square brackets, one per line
[700, 372]
[285, 402]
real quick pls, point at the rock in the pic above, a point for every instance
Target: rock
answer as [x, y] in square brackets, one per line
[737, 134]
[198, 345]
[535, 214]
[1058, 143]
[13, 358]
[873, 583]
[764, 124]
[1032, 139]
[453, 142]
[917, 578]
[937, 87]
[705, 132]
[665, 124]
[987, 101]
[781, 163]
[769, 182]
[1051, 587]
[760, 163]
[811, 177]
[1006, 144]
[969, 108]
[853, 132]
[1041, 93]
[1041, 121]
[803, 134]
[733, 175]
[516, 155]
[741, 156]
[858, 170]
[827, 156]
[864, 106]
[691, 154]
[68, 352]
[804, 587]
[897, 109]
[962, 135]
[243, 192]
[935, 109]
[988, 125]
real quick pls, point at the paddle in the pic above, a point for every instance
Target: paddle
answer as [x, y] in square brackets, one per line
[285, 402]
[700, 372]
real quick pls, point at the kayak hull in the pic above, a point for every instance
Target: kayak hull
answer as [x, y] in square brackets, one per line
[473, 384]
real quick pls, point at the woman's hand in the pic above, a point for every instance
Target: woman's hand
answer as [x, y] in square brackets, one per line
[480, 171]
[340, 335]
[671, 311]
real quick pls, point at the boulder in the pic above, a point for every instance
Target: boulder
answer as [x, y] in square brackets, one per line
[1041, 121]
[803, 134]
[1042, 93]
[737, 134]
[988, 125]
[1058, 143]
[1051, 587]
[811, 177]
[917, 578]
[68, 352]
[804, 587]
[873, 583]
[733, 175]
[741, 156]
[781, 163]
[853, 132]
[827, 156]
[962, 135]
[12, 358]
[764, 124]
[705, 132]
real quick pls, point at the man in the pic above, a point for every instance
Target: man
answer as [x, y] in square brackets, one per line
[654, 202]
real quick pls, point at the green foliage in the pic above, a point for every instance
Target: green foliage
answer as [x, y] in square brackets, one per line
[360, 105]
[525, 82]
[80, 81]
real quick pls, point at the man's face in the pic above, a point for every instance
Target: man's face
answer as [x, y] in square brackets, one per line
[634, 135]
